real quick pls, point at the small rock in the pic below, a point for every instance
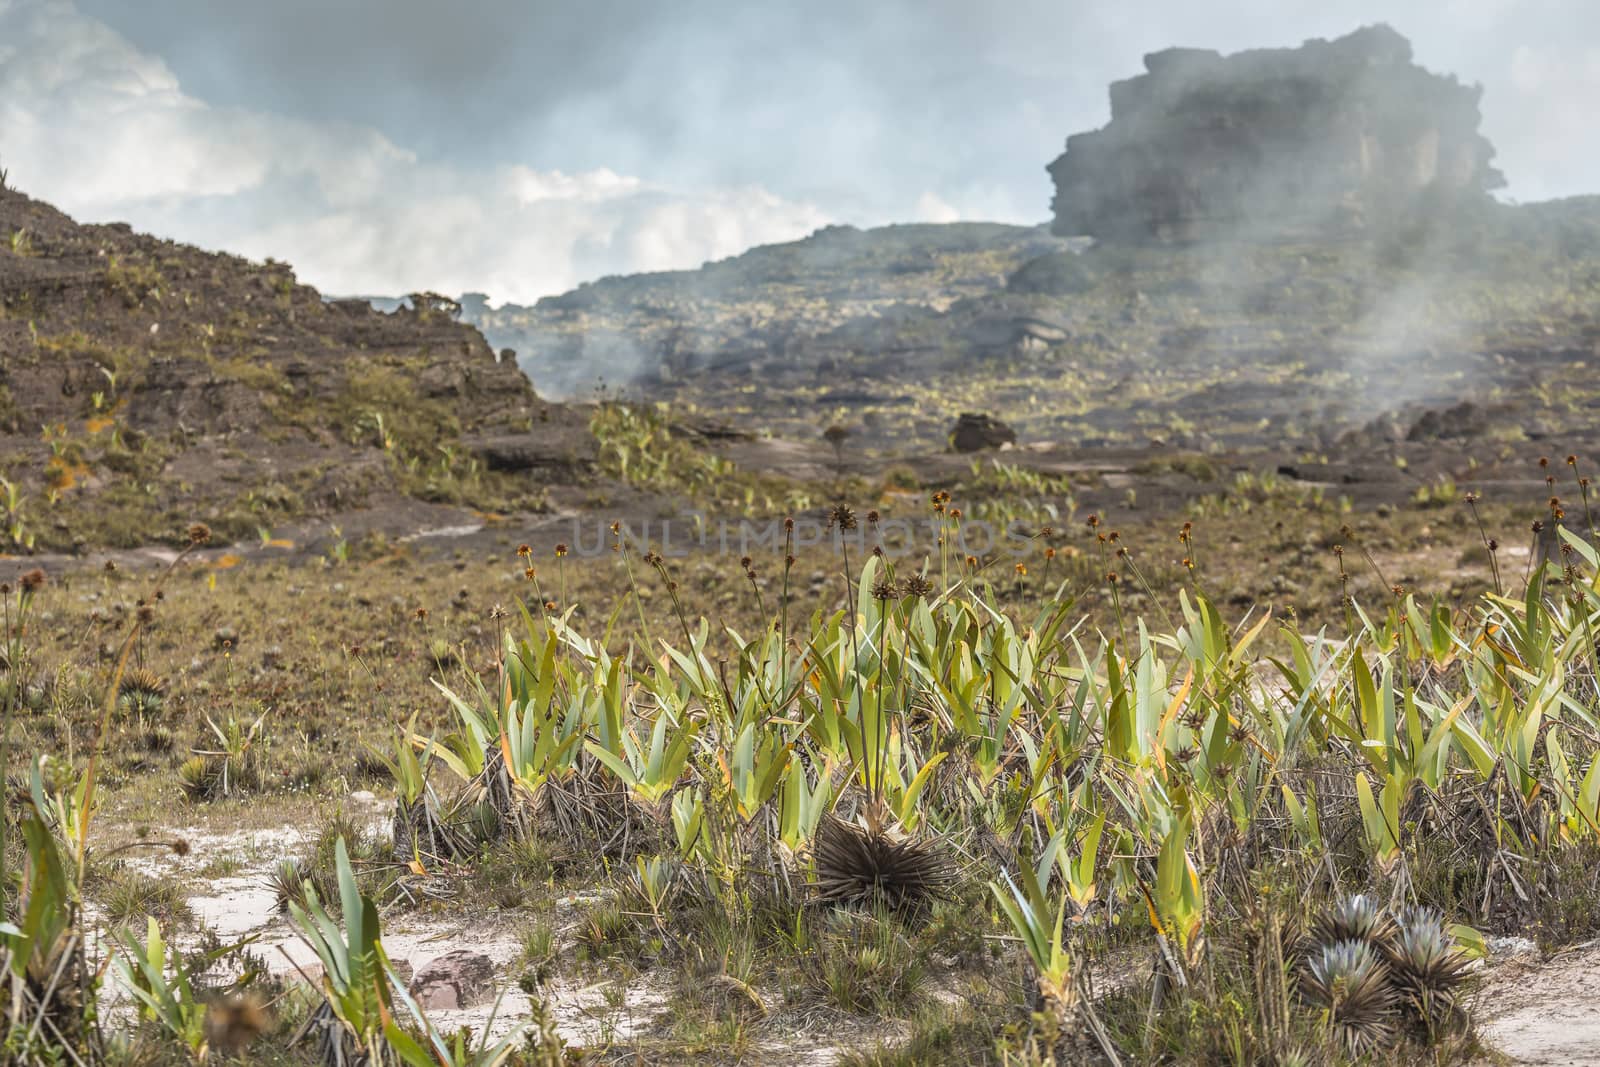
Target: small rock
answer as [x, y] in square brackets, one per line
[454, 981]
[272, 658]
[1509, 948]
[363, 796]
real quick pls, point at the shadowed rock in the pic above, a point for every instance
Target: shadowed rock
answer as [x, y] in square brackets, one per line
[1331, 136]
[975, 432]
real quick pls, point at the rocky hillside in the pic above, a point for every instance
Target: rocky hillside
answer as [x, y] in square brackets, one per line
[1278, 342]
[144, 384]
[1326, 259]
[784, 314]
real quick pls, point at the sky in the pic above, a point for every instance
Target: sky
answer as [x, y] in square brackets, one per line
[519, 147]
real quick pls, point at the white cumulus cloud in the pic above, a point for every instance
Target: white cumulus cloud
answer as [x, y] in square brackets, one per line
[104, 130]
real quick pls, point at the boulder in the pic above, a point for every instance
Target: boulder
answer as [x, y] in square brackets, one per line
[975, 432]
[456, 980]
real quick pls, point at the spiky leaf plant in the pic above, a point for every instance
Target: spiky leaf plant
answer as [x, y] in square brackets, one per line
[200, 777]
[1427, 967]
[1357, 917]
[288, 883]
[1350, 983]
[870, 866]
[142, 692]
[418, 830]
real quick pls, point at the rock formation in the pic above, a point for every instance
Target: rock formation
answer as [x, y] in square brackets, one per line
[1331, 136]
[976, 432]
[145, 383]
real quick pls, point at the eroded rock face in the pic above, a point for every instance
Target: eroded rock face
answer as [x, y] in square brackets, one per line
[1331, 136]
[456, 980]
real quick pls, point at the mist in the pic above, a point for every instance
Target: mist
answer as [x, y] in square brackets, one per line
[521, 150]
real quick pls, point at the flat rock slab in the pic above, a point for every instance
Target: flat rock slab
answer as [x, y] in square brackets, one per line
[453, 981]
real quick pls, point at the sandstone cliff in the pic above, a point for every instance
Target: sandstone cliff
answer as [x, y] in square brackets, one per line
[1331, 136]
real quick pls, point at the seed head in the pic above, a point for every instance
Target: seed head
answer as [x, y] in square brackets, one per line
[32, 581]
[199, 533]
[918, 586]
[561, 550]
[842, 516]
[524, 551]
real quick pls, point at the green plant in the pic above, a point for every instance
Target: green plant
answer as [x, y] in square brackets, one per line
[355, 1020]
[231, 769]
[420, 829]
[167, 1000]
[1038, 920]
[1349, 982]
[1427, 966]
[14, 522]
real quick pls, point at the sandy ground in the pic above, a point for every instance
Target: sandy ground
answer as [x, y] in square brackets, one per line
[1529, 1010]
[1544, 1012]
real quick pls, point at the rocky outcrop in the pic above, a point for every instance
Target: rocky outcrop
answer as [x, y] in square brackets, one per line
[193, 385]
[974, 432]
[557, 446]
[1330, 136]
